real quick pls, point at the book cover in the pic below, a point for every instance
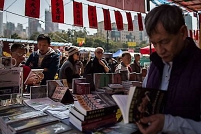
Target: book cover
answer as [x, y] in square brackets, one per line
[10, 81]
[116, 78]
[75, 82]
[82, 88]
[139, 103]
[59, 93]
[51, 86]
[102, 79]
[25, 125]
[57, 128]
[15, 111]
[38, 91]
[23, 116]
[91, 103]
[35, 76]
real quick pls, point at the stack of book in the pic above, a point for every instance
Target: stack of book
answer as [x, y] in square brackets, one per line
[93, 111]
[22, 119]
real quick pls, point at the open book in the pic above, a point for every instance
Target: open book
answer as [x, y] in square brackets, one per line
[139, 103]
[35, 76]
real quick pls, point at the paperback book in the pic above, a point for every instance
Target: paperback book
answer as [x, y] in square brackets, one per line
[35, 76]
[38, 91]
[139, 103]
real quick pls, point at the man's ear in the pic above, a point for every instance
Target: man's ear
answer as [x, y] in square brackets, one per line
[184, 32]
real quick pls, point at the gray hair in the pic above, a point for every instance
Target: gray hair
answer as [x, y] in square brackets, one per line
[170, 16]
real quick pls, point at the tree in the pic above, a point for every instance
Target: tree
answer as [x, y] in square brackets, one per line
[34, 36]
[15, 36]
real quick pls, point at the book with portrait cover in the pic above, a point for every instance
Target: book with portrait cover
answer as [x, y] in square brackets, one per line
[140, 102]
[57, 128]
[24, 125]
[35, 76]
[94, 103]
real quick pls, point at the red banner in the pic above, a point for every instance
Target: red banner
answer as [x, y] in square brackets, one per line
[1, 5]
[138, 5]
[107, 21]
[104, 2]
[140, 24]
[92, 17]
[130, 22]
[77, 10]
[191, 33]
[57, 11]
[116, 3]
[32, 8]
[199, 18]
[196, 33]
[119, 20]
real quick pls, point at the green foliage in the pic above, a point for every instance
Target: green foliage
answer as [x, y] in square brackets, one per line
[15, 36]
[34, 36]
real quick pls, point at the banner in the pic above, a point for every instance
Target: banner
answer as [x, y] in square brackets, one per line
[57, 11]
[116, 3]
[92, 17]
[191, 33]
[130, 22]
[77, 10]
[140, 24]
[32, 8]
[131, 44]
[1, 5]
[107, 21]
[138, 6]
[119, 20]
[99, 1]
[80, 41]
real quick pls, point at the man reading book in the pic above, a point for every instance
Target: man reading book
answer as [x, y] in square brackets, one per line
[175, 67]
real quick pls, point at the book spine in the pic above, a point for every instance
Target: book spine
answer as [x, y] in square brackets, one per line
[99, 119]
[98, 124]
[103, 110]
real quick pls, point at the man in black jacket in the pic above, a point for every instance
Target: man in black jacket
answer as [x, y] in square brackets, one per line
[44, 58]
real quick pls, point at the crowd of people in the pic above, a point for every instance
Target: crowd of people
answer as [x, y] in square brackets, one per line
[175, 67]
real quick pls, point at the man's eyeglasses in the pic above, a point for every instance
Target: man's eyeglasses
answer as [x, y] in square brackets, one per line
[99, 52]
[21, 55]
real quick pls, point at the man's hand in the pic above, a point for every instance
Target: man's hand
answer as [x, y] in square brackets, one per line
[102, 63]
[155, 122]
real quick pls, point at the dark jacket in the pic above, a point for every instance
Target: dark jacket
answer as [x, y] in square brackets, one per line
[135, 67]
[68, 71]
[51, 62]
[184, 89]
[93, 66]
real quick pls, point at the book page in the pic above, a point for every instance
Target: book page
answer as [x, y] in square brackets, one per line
[34, 77]
[121, 101]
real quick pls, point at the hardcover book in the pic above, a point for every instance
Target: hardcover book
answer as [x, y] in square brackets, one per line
[75, 82]
[38, 92]
[82, 117]
[83, 88]
[94, 103]
[57, 128]
[24, 125]
[139, 103]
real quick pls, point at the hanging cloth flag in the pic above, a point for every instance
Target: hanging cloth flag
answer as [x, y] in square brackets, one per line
[77, 10]
[92, 17]
[57, 11]
[1, 5]
[119, 20]
[107, 21]
[32, 8]
[80, 41]
[140, 24]
[130, 22]
[191, 33]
